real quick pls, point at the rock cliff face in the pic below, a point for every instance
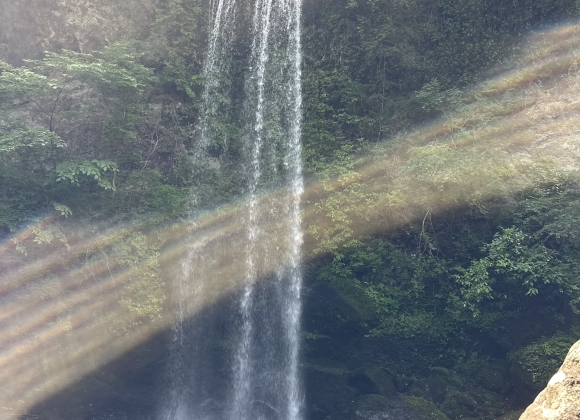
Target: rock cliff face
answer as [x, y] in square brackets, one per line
[560, 400]
[29, 27]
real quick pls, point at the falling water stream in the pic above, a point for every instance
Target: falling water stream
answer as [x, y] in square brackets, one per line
[255, 376]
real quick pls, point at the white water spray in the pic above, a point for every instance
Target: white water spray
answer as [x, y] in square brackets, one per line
[262, 380]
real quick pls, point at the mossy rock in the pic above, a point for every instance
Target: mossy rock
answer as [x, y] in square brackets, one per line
[328, 392]
[441, 382]
[423, 409]
[492, 375]
[403, 383]
[374, 406]
[450, 377]
[532, 366]
[459, 405]
[370, 407]
[489, 404]
[372, 379]
[418, 388]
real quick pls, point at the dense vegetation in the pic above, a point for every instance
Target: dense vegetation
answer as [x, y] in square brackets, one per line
[106, 138]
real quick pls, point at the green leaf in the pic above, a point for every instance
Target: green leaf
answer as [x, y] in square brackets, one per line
[95, 169]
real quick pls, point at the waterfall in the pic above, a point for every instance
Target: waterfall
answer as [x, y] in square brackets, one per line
[256, 375]
[266, 367]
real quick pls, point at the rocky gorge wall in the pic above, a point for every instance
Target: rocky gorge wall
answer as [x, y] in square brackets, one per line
[29, 27]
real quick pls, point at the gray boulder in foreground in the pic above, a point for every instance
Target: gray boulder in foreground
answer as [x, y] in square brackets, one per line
[560, 400]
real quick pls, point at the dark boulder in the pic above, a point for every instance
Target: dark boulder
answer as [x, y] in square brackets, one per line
[459, 405]
[492, 376]
[372, 379]
[442, 382]
[327, 392]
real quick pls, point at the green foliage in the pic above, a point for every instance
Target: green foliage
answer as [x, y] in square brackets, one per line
[514, 268]
[116, 83]
[537, 362]
[335, 114]
[35, 150]
[471, 34]
[21, 84]
[62, 209]
[432, 97]
[80, 140]
[108, 136]
[175, 42]
[391, 289]
[549, 210]
[143, 293]
[37, 138]
[88, 169]
[343, 204]
[373, 68]
[117, 67]
[459, 287]
[143, 192]
[74, 119]
[459, 174]
[44, 233]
